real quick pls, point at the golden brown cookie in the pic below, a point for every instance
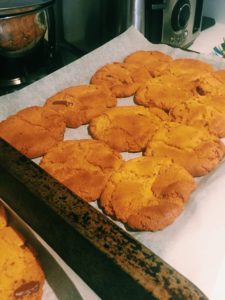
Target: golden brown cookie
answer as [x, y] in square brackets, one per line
[199, 114]
[127, 128]
[190, 66]
[220, 75]
[194, 148]
[83, 166]
[79, 104]
[122, 79]
[21, 276]
[164, 92]
[216, 101]
[209, 84]
[147, 193]
[3, 219]
[156, 62]
[33, 130]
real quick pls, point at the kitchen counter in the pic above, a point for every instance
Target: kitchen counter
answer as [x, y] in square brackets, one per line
[204, 44]
[209, 38]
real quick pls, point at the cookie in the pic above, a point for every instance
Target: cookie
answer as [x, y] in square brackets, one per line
[164, 92]
[3, 219]
[79, 104]
[83, 166]
[209, 84]
[156, 62]
[147, 193]
[21, 276]
[220, 75]
[190, 66]
[33, 130]
[121, 78]
[216, 101]
[194, 148]
[127, 128]
[199, 114]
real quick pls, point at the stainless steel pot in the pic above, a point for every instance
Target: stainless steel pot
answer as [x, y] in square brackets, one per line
[23, 25]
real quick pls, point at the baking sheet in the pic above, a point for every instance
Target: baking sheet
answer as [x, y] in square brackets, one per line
[195, 243]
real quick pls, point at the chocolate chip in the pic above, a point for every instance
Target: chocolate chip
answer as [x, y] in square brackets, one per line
[200, 91]
[62, 102]
[27, 289]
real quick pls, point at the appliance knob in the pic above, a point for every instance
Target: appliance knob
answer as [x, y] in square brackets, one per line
[181, 14]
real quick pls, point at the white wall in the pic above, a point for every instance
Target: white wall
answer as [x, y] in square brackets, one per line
[215, 9]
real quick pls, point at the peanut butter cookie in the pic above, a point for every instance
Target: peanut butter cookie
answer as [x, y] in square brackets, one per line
[156, 62]
[197, 113]
[220, 75]
[147, 193]
[190, 66]
[79, 104]
[83, 166]
[123, 79]
[164, 92]
[194, 148]
[33, 130]
[216, 101]
[209, 84]
[127, 128]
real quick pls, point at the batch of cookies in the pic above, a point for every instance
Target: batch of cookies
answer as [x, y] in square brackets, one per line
[175, 124]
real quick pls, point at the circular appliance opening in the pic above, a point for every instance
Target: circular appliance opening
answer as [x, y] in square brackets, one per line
[180, 15]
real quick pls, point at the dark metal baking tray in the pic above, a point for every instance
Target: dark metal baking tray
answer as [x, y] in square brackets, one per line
[108, 259]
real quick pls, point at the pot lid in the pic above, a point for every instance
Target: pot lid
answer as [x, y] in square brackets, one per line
[17, 7]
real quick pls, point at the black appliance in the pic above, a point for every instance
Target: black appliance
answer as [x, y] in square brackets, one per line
[88, 24]
[29, 43]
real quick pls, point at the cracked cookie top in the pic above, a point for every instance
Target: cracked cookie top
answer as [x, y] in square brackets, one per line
[33, 130]
[194, 148]
[79, 104]
[201, 112]
[156, 62]
[122, 79]
[83, 166]
[164, 92]
[190, 66]
[127, 128]
[147, 193]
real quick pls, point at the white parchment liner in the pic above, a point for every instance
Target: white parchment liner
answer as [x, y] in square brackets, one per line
[195, 244]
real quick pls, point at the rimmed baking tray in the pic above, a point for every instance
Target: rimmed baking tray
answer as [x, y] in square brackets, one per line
[109, 260]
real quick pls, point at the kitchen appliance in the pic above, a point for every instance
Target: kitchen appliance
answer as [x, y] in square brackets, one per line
[173, 22]
[87, 24]
[27, 40]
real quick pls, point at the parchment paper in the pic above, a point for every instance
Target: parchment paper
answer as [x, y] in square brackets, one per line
[195, 244]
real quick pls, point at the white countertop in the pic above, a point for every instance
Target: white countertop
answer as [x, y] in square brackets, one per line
[209, 38]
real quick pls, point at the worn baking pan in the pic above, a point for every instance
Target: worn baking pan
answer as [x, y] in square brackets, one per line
[109, 260]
